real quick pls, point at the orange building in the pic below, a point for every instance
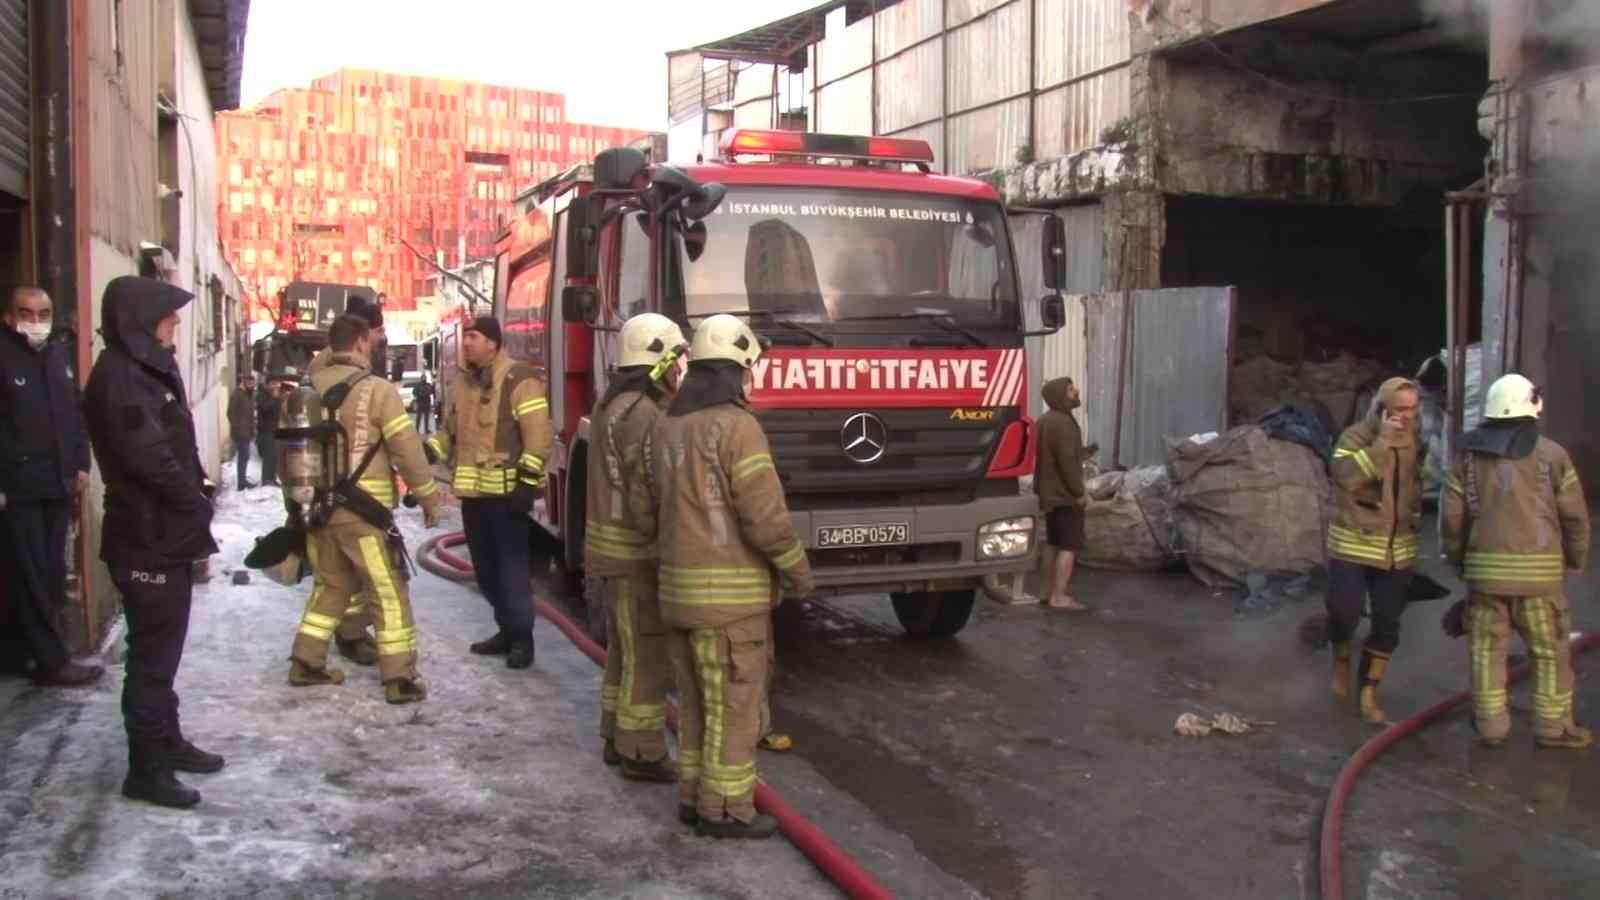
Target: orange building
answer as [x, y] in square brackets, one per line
[321, 184]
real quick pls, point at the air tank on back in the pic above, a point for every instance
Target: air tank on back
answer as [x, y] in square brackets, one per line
[300, 463]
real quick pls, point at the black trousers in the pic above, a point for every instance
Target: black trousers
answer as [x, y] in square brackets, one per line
[241, 456]
[497, 538]
[35, 533]
[424, 417]
[1349, 586]
[267, 448]
[156, 604]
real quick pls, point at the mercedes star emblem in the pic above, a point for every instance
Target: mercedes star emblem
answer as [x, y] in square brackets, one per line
[863, 438]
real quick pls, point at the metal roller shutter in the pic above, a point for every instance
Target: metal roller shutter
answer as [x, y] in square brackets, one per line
[16, 117]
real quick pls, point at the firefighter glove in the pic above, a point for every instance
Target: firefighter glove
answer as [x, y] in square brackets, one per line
[521, 497]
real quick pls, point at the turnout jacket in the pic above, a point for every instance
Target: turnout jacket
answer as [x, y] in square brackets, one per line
[710, 499]
[496, 430]
[1513, 525]
[373, 413]
[611, 545]
[43, 444]
[1378, 498]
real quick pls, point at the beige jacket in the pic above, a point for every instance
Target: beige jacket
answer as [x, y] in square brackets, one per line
[611, 546]
[496, 430]
[1378, 499]
[1513, 526]
[711, 501]
[373, 413]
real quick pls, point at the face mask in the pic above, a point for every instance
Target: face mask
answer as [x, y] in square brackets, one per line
[36, 332]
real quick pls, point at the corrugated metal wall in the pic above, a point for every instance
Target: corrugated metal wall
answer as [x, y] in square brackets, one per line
[122, 116]
[1177, 375]
[16, 98]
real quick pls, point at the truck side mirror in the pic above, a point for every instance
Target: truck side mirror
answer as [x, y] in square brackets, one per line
[615, 168]
[580, 303]
[1053, 312]
[1054, 253]
[582, 218]
[704, 201]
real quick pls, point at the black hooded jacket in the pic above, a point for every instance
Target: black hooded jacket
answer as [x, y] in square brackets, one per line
[709, 382]
[43, 446]
[157, 513]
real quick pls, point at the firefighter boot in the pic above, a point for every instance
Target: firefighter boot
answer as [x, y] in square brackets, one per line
[660, 770]
[762, 826]
[687, 814]
[150, 779]
[363, 651]
[1374, 664]
[405, 690]
[498, 645]
[609, 755]
[183, 756]
[1341, 671]
[1572, 737]
[302, 675]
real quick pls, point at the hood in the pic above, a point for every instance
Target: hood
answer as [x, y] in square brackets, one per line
[1385, 394]
[631, 378]
[129, 310]
[1055, 395]
[709, 382]
[1509, 438]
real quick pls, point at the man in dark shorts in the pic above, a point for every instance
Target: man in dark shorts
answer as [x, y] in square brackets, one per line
[1058, 480]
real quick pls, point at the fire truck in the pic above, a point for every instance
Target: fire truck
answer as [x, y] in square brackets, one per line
[305, 311]
[894, 389]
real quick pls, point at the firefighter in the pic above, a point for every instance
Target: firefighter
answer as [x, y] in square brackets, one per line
[497, 436]
[1513, 519]
[157, 522]
[710, 498]
[354, 547]
[1374, 538]
[633, 693]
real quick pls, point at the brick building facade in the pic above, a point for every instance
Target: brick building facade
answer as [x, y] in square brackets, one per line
[321, 184]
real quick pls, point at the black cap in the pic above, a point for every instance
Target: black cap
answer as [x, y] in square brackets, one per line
[488, 326]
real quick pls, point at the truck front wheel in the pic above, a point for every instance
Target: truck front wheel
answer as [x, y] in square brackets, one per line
[934, 614]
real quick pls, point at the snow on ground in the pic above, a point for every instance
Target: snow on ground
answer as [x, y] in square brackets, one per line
[492, 787]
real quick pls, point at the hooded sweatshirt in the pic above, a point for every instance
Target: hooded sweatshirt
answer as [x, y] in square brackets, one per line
[1377, 490]
[1058, 478]
[157, 513]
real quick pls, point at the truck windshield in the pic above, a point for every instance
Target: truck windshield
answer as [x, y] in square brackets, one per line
[863, 262]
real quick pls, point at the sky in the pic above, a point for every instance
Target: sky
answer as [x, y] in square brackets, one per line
[607, 56]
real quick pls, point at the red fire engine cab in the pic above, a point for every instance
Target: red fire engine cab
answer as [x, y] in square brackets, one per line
[894, 392]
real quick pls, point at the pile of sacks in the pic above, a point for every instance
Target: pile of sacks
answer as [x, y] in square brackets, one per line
[1261, 384]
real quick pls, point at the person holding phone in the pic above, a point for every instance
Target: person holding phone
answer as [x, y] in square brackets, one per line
[1375, 536]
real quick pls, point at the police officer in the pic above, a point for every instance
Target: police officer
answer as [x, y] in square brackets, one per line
[1514, 520]
[355, 548]
[633, 692]
[1375, 535]
[44, 468]
[712, 502]
[157, 522]
[496, 435]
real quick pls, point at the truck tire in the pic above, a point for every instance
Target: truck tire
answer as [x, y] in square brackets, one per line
[594, 608]
[934, 614]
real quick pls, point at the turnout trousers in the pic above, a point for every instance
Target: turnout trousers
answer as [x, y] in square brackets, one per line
[1349, 586]
[721, 676]
[633, 713]
[498, 538]
[1544, 624]
[156, 604]
[35, 532]
[349, 559]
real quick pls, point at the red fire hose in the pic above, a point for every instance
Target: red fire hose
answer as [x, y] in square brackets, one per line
[1344, 785]
[855, 881]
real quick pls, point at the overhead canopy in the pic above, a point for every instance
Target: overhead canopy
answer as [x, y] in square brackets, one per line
[784, 42]
[219, 27]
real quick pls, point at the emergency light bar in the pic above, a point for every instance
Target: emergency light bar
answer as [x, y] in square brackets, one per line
[746, 141]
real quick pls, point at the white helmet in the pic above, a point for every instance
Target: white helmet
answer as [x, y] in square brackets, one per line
[1512, 397]
[647, 338]
[726, 337]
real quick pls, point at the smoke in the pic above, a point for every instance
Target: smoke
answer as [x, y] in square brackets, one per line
[1564, 23]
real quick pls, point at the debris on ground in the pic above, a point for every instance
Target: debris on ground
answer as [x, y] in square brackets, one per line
[1191, 725]
[1265, 593]
[1128, 523]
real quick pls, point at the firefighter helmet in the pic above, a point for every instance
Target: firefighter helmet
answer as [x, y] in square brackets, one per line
[1512, 397]
[649, 337]
[726, 337]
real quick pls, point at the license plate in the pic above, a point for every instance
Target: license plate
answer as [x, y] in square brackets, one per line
[863, 535]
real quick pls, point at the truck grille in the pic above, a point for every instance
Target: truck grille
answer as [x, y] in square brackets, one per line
[928, 456]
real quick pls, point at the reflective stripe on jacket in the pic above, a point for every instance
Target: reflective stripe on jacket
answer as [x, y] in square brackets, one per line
[1378, 499]
[1514, 526]
[709, 481]
[610, 545]
[374, 410]
[496, 431]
